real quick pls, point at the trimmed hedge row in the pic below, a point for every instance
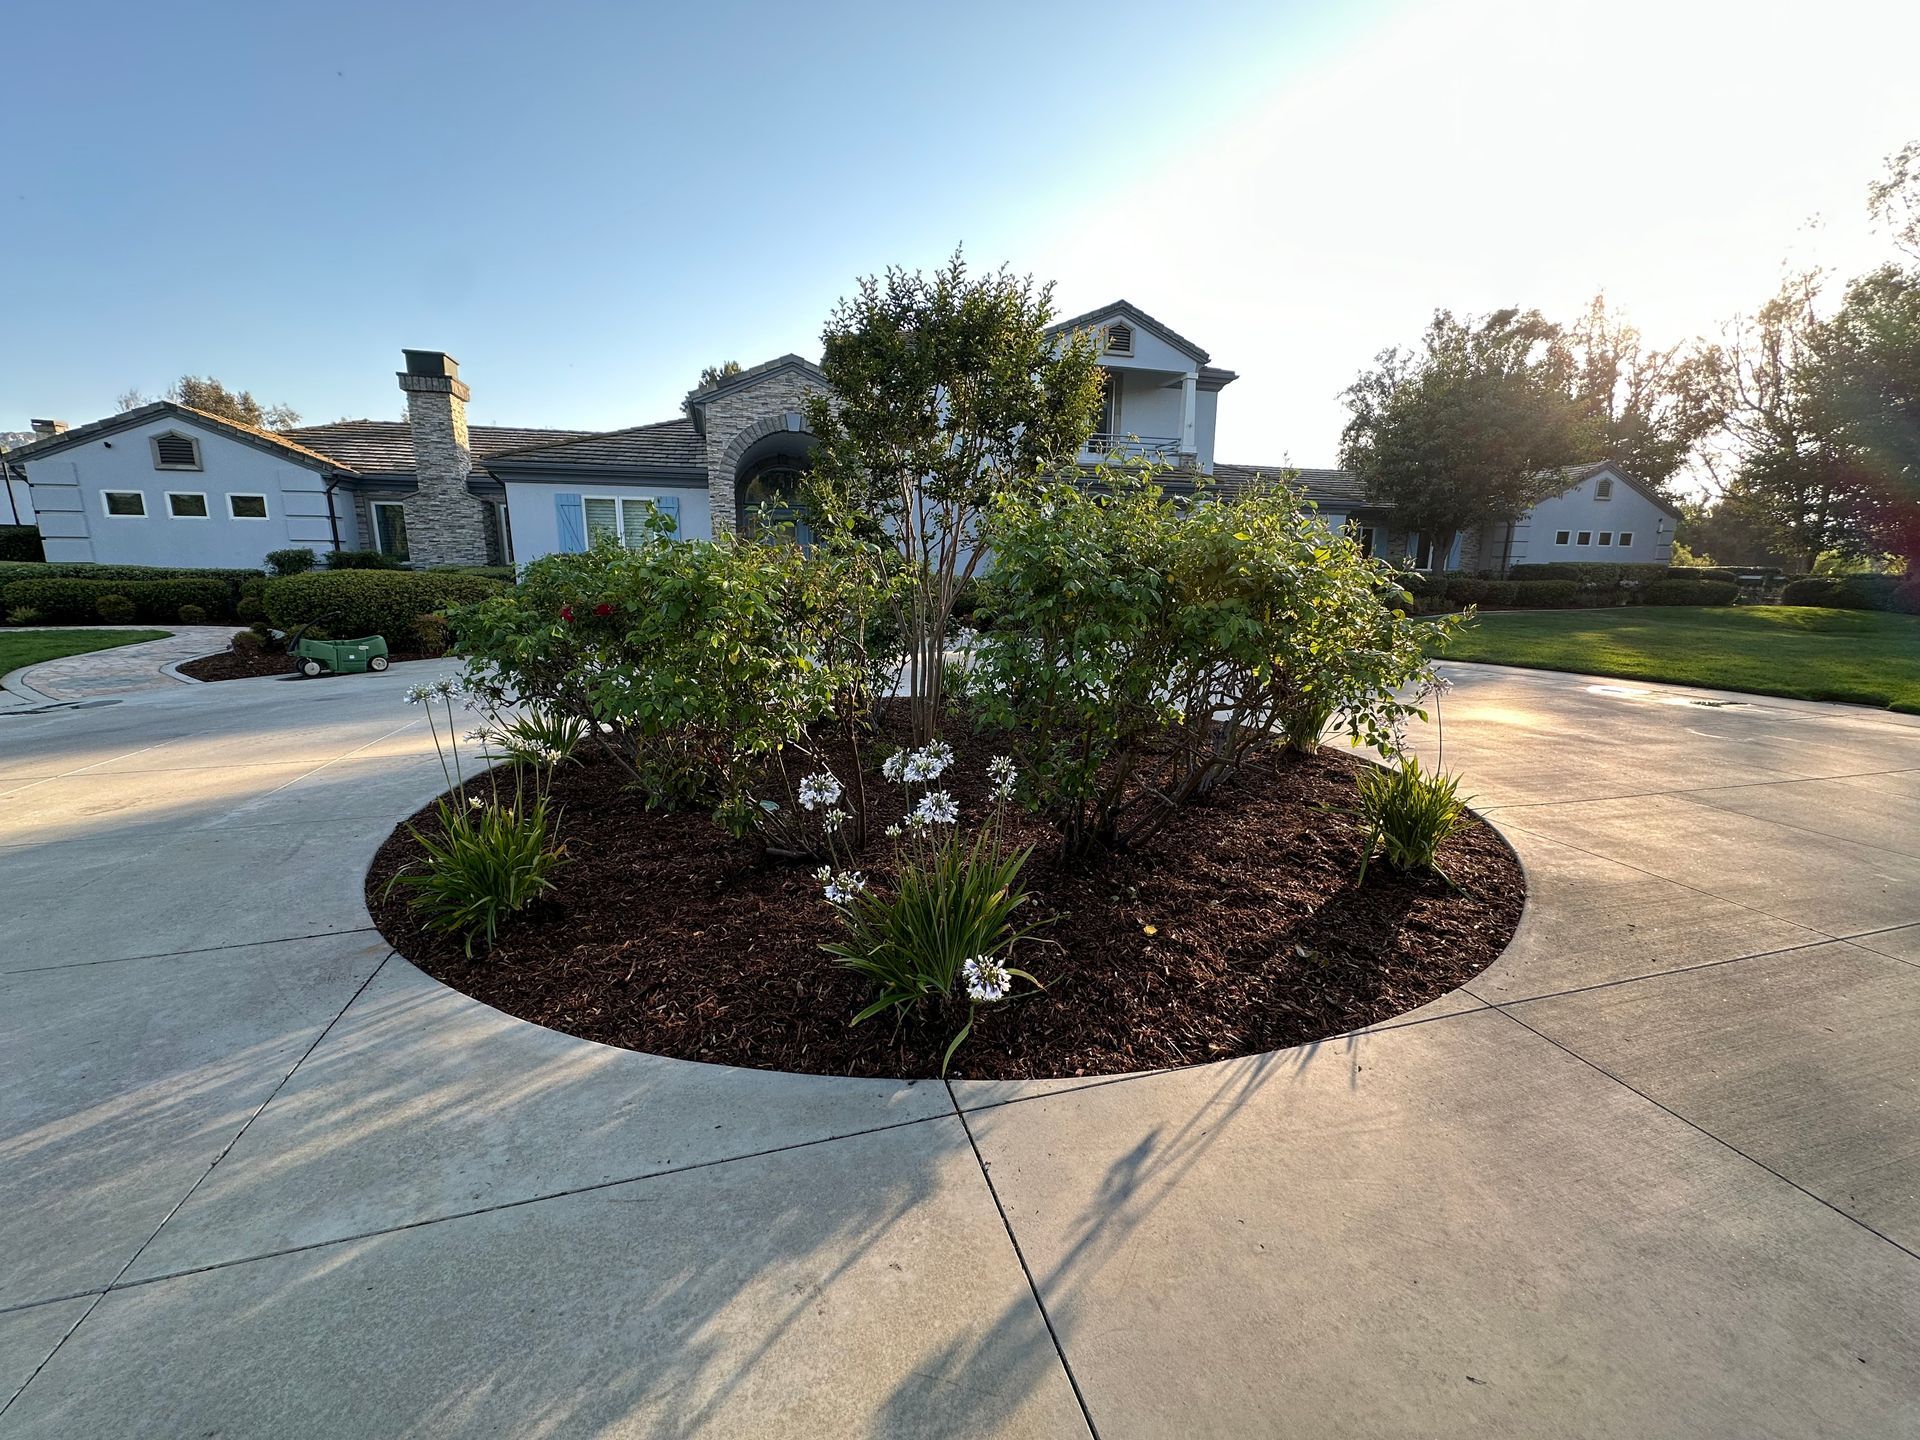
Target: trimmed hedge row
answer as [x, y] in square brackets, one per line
[234, 584]
[1590, 572]
[1563, 592]
[61, 601]
[353, 603]
[1897, 593]
[21, 543]
[1689, 592]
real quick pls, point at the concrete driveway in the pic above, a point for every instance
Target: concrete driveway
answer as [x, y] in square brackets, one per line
[1655, 1173]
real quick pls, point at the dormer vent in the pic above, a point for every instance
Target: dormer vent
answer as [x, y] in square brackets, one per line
[1119, 339]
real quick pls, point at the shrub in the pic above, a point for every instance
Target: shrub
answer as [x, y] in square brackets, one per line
[431, 636]
[536, 737]
[1501, 594]
[490, 854]
[506, 574]
[1409, 814]
[114, 609]
[1899, 593]
[25, 615]
[949, 921]
[245, 642]
[295, 560]
[67, 601]
[1590, 572]
[361, 560]
[1467, 590]
[1147, 645]
[21, 542]
[191, 614]
[1690, 592]
[250, 608]
[696, 665]
[354, 603]
[1544, 594]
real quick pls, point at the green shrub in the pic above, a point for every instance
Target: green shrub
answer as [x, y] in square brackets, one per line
[1590, 572]
[250, 608]
[481, 864]
[1409, 814]
[362, 560]
[24, 615]
[232, 583]
[1544, 594]
[295, 560]
[245, 642]
[1690, 592]
[114, 609]
[1148, 646]
[536, 737]
[1897, 593]
[65, 601]
[506, 574]
[1501, 594]
[355, 603]
[21, 543]
[191, 614]
[1467, 590]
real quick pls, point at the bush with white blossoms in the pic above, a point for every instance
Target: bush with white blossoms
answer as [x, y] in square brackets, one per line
[942, 933]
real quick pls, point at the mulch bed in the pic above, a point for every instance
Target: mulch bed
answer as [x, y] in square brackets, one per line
[1238, 929]
[232, 665]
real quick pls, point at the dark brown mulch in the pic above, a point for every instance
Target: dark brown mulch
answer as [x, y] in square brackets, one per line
[1238, 929]
[232, 665]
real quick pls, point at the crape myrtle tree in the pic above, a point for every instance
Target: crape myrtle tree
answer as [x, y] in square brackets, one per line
[1648, 408]
[1467, 428]
[947, 392]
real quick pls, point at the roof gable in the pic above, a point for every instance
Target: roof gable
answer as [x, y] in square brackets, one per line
[1127, 310]
[267, 440]
[699, 398]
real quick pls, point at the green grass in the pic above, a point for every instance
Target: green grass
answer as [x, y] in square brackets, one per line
[30, 647]
[1810, 654]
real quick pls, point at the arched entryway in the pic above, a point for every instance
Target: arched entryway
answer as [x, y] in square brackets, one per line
[768, 482]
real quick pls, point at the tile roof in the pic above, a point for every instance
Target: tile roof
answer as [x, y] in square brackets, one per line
[1323, 487]
[665, 444]
[159, 409]
[385, 447]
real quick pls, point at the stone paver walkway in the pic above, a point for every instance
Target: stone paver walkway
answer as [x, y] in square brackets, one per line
[1655, 1173]
[123, 670]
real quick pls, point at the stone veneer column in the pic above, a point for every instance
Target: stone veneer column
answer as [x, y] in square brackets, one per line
[446, 524]
[729, 417]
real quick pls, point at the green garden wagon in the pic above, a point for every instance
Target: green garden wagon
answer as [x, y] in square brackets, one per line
[337, 657]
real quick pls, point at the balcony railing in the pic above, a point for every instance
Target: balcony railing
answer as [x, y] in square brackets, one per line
[1163, 448]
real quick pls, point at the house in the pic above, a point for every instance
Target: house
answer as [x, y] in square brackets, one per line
[167, 484]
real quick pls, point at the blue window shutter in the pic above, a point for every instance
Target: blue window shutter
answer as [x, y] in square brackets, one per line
[570, 523]
[669, 506]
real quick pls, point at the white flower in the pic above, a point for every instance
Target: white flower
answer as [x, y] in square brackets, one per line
[821, 788]
[893, 832]
[442, 687]
[839, 886]
[987, 979]
[929, 762]
[938, 808]
[1001, 770]
[894, 764]
[834, 819]
[474, 802]
[418, 694]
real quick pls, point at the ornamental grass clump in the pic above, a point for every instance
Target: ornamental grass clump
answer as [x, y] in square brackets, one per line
[1409, 813]
[944, 931]
[491, 851]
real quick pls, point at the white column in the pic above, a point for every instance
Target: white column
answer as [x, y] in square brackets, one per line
[1189, 399]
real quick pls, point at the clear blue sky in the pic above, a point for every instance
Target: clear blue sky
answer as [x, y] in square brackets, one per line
[585, 204]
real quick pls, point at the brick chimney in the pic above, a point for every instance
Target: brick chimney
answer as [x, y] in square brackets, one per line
[446, 524]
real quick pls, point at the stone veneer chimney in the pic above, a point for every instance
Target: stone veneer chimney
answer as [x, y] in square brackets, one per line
[446, 524]
[44, 428]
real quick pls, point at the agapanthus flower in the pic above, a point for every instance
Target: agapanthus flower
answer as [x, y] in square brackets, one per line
[938, 808]
[839, 886]
[893, 832]
[1001, 771]
[418, 694]
[894, 765]
[929, 762]
[818, 789]
[987, 979]
[474, 802]
[834, 819]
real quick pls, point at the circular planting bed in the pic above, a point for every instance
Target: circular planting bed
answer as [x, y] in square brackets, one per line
[1241, 927]
[234, 665]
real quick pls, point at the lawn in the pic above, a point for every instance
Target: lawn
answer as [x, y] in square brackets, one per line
[30, 647]
[1810, 654]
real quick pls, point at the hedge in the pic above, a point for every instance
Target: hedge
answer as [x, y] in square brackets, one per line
[360, 560]
[1690, 592]
[1590, 572]
[61, 601]
[21, 543]
[353, 603]
[1898, 593]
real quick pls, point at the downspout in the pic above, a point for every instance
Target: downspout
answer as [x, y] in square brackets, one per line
[1506, 550]
[333, 516]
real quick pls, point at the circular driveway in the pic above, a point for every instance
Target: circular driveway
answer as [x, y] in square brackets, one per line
[1654, 1172]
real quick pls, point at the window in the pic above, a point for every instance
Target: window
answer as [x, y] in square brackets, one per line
[624, 518]
[1606, 537]
[1603, 490]
[247, 507]
[1108, 425]
[504, 522]
[1420, 547]
[174, 451]
[1560, 537]
[390, 528]
[1363, 536]
[1626, 537]
[1586, 538]
[1119, 339]
[124, 502]
[186, 505]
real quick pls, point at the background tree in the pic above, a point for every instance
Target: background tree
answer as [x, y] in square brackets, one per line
[1467, 429]
[206, 393]
[1648, 409]
[946, 391]
[710, 376]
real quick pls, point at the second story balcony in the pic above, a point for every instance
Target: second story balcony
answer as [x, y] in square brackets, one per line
[1159, 449]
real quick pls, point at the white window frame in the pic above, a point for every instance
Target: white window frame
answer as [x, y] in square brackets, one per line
[1563, 537]
[206, 510]
[1603, 488]
[374, 507]
[107, 510]
[266, 510]
[619, 514]
[1625, 537]
[153, 448]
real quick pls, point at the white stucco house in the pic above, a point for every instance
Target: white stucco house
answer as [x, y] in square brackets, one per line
[168, 485]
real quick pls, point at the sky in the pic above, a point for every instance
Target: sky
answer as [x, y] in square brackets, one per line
[586, 203]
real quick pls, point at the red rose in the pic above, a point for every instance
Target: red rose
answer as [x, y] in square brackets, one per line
[603, 608]
[566, 613]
